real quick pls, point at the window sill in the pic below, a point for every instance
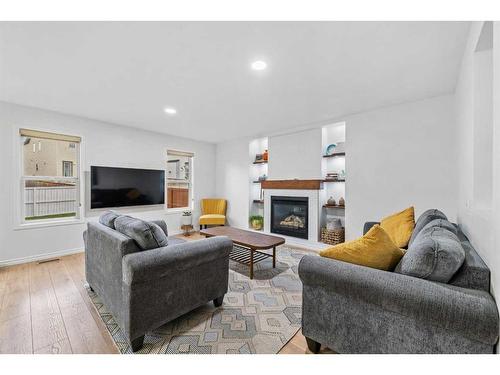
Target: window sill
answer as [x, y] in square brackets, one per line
[174, 211]
[53, 223]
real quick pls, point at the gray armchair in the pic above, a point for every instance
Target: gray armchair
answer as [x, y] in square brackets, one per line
[145, 289]
[356, 309]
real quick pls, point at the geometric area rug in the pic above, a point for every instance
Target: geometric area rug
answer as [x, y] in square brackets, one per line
[258, 316]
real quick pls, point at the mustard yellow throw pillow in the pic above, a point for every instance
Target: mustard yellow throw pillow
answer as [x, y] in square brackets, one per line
[400, 226]
[375, 249]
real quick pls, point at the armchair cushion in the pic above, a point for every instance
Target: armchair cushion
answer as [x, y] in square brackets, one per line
[147, 235]
[212, 219]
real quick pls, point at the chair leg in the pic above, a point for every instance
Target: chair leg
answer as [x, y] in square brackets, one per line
[137, 343]
[313, 346]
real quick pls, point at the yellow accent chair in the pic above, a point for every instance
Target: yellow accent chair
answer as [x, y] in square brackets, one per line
[213, 212]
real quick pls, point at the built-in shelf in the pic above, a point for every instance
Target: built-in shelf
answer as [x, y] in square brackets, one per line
[333, 206]
[334, 155]
[331, 180]
[258, 182]
[260, 162]
[259, 201]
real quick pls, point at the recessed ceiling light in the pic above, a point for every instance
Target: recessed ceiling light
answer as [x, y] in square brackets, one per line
[259, 65]
[170, 111]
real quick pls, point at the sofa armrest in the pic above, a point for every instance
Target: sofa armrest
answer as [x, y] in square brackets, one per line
[150, 265]
[473, 313]
[368, 225]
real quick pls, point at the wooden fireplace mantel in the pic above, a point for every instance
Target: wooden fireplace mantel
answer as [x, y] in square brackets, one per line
[293, 184]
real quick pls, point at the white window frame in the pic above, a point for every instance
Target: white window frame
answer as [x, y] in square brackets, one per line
[21, 222]
[190, 182]
[67, 163]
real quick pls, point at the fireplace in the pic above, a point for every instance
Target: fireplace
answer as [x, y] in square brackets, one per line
[289, 216]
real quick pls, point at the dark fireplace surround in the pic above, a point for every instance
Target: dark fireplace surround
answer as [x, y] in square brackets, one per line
[290, 216]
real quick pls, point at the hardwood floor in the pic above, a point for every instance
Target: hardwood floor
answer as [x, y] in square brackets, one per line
[44, 308]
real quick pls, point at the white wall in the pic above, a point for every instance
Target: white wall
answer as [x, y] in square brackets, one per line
[400, 156]
[396, 157]
[481, 224]
[296, 155]
[102, 144]
[232, 176]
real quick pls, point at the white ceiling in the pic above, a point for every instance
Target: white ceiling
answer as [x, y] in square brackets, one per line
[127, 72]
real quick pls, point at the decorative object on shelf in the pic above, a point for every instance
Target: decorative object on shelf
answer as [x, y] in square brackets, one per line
[342, 202]
[259, 158]
[330, 149]
[341, 176]
[187, 230]
[333, 237]
[263, 177]
[265, 155]
[186, 218]
[340, 148]
[331, 201]
[334, 223]
[257, 221]
[332, 176]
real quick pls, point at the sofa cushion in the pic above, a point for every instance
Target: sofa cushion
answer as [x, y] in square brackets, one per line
[435, 254]
[147, 235]
[474, 273]
[162, 225]
[425, 219]
[375, 249]
[442, 223]
[108, 219]
[399, 226]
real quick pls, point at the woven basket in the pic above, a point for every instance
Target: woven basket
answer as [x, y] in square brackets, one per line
[332, 237]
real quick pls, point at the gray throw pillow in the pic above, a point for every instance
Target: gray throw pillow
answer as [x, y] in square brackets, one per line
[442, 223]
[425, 219]
[146, 234]
[162, 225]
[436, 254]
[108, 219]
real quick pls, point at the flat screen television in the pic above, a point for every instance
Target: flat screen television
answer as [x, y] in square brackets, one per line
[122, 187]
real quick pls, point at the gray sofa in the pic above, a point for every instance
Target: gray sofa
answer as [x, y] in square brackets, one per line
[145, 289]
[355, 309]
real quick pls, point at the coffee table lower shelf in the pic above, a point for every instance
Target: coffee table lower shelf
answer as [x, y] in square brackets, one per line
[248, 246]
[250, 257]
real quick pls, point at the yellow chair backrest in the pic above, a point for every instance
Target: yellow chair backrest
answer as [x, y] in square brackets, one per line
[213, 206]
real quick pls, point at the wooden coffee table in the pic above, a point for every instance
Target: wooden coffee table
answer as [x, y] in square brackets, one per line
[249, 243]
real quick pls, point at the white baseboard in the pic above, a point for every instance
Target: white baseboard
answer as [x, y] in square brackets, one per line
[39, 257]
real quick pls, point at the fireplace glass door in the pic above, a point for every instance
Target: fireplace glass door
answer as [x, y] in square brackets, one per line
[289, 216]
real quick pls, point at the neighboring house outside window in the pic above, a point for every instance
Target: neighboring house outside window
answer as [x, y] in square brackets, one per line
[67, 168]
[50, 180]
[179, 180]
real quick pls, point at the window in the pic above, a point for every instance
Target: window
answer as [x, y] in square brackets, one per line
[67, 168]
[179, 180]
[50, 181]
